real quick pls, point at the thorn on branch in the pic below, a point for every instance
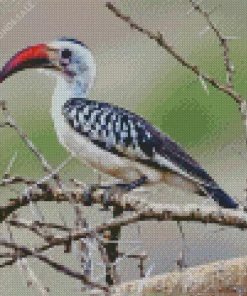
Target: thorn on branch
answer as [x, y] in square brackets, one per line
[228, 89]
[243, 109]
[68, 244]
[6, 174]
[3, 105]
[195, 4]
[204, 84]
[190, 11]
[159, 38]
[204, 31]
[213, 9]
[5, 124]
[229, 38]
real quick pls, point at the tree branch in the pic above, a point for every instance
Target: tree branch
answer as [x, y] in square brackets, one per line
[224, 277]
[145, 210]
[24, 137]
[59, 267]
[222, 39]
[158, 37]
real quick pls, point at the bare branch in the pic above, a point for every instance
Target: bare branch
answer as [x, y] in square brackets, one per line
[158, 37]
[30, 225]
[181, 262]
[204, 31]
[7, 255]
[10, 164]
[34, 227]
[46, 167]
[107, 235]
[16, 180]
[222, 39]
[4, 124]
[24, 137]
[143, 211]
[227, 217]
[226, 276]
[154, 212]
[204, 85]
[32, 277]
[59, 267]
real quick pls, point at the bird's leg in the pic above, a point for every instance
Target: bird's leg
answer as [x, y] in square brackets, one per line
[111, 189]
[133, 185]
[87, 194]
[124, 187]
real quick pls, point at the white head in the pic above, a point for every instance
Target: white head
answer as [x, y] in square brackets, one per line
[72, 60]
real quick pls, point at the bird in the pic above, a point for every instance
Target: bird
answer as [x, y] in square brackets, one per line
[111, 139]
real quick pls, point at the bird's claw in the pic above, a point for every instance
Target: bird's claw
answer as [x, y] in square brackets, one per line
[110, 191]
[87, 195]
[106, 199]
[119, 189]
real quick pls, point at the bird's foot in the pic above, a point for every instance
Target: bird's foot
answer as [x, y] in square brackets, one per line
[133, 185]
[87, 193]
[110, 190]
[106, 198]
[121, 188]
[87, 198]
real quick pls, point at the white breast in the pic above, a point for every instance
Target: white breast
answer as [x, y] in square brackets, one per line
[82, 148]
[105, 161]
[89, 153]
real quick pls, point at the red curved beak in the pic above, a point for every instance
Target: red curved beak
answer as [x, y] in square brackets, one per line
[36, 56]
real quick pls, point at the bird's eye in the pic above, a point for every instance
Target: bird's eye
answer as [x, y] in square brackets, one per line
[66, 53]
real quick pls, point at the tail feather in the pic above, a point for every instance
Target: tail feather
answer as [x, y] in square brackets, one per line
[221, 197]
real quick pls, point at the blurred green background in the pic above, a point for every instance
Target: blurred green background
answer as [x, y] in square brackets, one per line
[134, 72]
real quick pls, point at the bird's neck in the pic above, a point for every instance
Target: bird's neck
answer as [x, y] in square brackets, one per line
[65, 89]
[77, 86]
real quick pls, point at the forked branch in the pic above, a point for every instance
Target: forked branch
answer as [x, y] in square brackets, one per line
[161, 41]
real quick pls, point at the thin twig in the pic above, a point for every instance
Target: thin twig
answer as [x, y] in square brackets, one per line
[32, 277]
[10, 164]
[158, 37]
[222, 39]
[46, 167]
[51, 263]
[24, 137]
[235, 218]
[181, 262]
[16, 180]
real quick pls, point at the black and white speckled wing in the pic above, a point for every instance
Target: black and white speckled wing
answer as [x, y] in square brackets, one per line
[128, 135]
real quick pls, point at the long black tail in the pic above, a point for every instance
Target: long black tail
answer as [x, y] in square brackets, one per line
[221, 197]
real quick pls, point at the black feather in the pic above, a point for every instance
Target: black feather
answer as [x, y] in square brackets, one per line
[140, 138]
